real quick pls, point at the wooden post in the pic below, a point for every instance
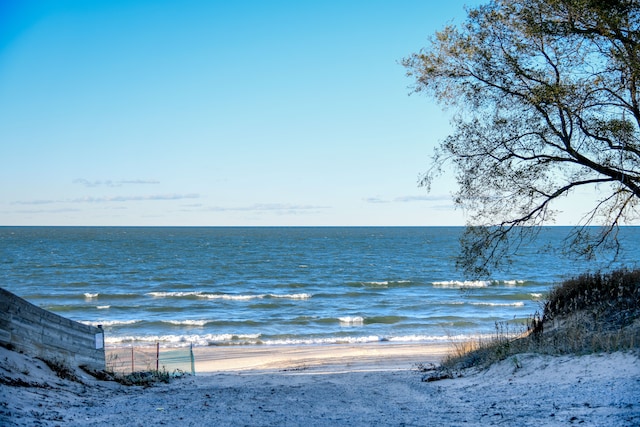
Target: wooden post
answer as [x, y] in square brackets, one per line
[157, 356]
[193, 367]
[132, 369]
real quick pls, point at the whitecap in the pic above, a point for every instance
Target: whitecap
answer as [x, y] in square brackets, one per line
[232, 297]
[183, 340]
[351, 321]
[291, 296]
[111, 322]
[383, 283]
[325, 341]
[188, 322]
[173, 294]
[499, 304]
[252, 297]
[441, 338]
[103, 307]
[90, 296]
[256, 339]
[376, 338]
[457, 284]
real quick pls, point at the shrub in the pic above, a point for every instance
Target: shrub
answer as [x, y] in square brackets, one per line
[612, 297]
[591, 313]
[139, 378]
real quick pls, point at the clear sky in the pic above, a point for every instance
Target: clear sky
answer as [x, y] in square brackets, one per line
[185, 112]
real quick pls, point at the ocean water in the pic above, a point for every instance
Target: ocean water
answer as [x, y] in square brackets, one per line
[272, 285]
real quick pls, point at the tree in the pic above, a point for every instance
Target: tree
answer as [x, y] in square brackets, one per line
[547, 101]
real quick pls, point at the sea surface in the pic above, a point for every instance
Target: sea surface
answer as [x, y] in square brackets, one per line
[279, 285]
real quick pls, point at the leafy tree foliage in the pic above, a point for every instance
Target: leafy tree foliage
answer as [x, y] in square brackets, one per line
[546, 95]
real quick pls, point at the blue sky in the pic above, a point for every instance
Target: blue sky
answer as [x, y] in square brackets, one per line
[167, 112]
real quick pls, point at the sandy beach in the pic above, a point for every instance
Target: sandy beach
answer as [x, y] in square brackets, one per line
[327, 358]
[333, 385]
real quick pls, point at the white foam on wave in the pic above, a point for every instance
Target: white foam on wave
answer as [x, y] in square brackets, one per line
[440, 338]
[457, 284]
[536, 295]
[324, 341]
[230, 297]
[173, 294]
[188, 322]
[423, 338]
[351, 321]
[103, 307]
[460, 284]
[255, 339]
[252, 297]
[499, 304]
[183, 340]
[291, 296]
[90, 295]
[111, 322]
[386, 282]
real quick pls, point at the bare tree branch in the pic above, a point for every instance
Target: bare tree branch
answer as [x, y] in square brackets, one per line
[549, 102]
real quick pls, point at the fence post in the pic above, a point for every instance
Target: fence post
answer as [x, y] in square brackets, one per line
[132, 368]
[193, 367]
[157, 356]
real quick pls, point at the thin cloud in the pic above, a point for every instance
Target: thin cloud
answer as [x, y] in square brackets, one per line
[375, 200]
[111, 183]
[109, 199]
[35, 202]
[42, 211]
[154, 197]
[409, 199]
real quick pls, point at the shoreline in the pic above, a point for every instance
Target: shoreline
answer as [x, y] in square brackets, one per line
[328, 390]
[326, 358]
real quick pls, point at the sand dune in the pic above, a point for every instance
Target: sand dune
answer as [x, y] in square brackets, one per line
[328, 386]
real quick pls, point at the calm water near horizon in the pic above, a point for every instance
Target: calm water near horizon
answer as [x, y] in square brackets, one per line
[278, 285]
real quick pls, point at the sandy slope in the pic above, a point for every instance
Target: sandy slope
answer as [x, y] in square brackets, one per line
[598, 390]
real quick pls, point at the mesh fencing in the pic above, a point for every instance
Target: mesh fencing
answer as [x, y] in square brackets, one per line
[127, 360]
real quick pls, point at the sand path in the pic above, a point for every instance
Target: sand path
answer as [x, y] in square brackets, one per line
[594, 390]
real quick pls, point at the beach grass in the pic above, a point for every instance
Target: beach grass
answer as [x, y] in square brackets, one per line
[591, 313]
[143, 378]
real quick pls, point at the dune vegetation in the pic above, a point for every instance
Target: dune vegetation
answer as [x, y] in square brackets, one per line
[591, 313]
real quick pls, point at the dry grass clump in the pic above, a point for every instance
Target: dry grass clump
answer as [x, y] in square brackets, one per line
[144, 378]
[62, 370]
[139, 378]
[612, 298]
[594, 313]
[591, 313]
[507, 341]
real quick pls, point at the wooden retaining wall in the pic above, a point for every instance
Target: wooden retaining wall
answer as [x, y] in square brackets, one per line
[41, 333]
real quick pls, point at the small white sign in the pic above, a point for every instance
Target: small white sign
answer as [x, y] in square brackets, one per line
[99, 341]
